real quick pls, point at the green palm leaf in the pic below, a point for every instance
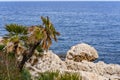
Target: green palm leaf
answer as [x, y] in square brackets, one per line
[15, 29]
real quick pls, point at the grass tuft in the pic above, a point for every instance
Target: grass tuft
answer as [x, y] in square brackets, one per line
[58, 76]
[9, 69]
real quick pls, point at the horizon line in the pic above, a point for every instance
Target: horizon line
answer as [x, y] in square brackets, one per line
[62, 1]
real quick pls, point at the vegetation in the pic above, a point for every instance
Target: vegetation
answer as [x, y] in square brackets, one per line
[58, 76]
[9, 70]
[31, 38]
[24, 41]
[1, 47]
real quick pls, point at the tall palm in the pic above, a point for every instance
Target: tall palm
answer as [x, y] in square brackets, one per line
[41, 35]
[49, 33]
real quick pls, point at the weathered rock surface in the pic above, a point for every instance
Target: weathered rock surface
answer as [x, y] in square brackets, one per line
[91, 76]
[111, 71]
[81, 52]
[77, 60]
[47, 62]
[87, 70]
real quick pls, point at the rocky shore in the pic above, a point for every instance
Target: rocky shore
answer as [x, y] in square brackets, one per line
[79, 59]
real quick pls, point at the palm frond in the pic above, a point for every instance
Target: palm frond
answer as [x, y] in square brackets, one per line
[49, 32]
[15, 29]
[14, 39]
[43, 20]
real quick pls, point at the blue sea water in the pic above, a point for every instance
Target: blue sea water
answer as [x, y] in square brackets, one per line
[95, 23]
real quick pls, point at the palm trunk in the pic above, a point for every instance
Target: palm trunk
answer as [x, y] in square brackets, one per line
[28, 54]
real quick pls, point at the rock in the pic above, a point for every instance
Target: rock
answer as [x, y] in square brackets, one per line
[1, 41]
[111, 71]
[81, 52]
[87, 70]
[47, 62]
[92, 76]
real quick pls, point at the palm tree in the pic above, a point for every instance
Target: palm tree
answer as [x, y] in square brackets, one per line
[17, 34]
[31, 37]
[41, 35]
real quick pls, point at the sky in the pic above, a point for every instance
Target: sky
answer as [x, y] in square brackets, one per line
[59, 0]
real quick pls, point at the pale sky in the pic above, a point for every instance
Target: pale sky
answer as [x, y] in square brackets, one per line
[59, 0]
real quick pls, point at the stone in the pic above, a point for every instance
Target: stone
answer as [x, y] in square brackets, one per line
[92, 76]
[81, 52]
[111, 71]
[1, 41]
[47, 62]
[87, 70]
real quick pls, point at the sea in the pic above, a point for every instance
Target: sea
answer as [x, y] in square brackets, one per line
[94, 23]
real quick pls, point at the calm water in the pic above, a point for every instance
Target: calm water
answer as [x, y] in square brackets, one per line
[95, 23]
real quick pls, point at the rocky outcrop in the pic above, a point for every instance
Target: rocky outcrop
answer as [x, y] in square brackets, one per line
[77, 61]
[87, 70]
[111, 71]
[47, 62]
[81, 52]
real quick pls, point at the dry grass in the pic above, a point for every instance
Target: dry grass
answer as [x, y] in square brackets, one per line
[9, 69]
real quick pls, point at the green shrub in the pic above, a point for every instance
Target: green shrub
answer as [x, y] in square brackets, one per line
[39, 49]
[48, 75]
[1, 47]
[25, 75]
[58, 76]
[70, 76]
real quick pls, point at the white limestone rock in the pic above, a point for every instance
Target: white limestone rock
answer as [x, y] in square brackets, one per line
[81, 52]
[47, 62]
[111, 71]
